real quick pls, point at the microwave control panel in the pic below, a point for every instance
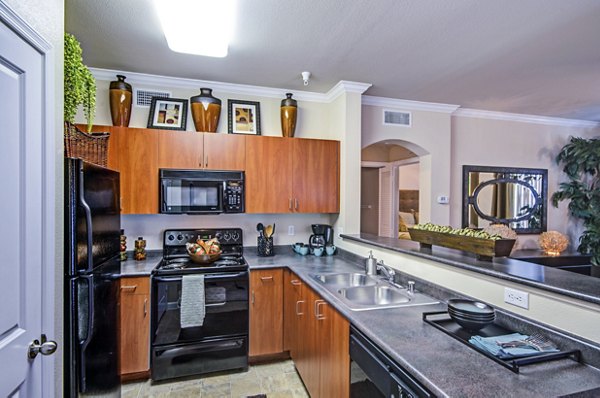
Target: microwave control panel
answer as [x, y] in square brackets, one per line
[234, 196]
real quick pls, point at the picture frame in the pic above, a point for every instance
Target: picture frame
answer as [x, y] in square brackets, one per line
[243, 117]
[168, 113]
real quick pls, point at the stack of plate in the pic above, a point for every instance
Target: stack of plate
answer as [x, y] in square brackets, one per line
[471, 315]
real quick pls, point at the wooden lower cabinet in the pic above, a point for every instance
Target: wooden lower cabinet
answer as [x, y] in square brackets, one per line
[266, 312]
[134, 321]
[318, 340]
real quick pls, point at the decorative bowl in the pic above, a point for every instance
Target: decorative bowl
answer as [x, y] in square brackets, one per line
[204, 258]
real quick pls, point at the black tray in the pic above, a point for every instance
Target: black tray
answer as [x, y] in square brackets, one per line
[451, 328]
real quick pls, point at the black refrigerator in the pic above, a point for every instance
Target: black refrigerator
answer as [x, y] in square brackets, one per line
[92, 267]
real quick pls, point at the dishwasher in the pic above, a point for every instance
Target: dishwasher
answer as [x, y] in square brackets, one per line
[374, 374]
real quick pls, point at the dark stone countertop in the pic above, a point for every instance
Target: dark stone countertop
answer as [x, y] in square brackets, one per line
[559, 281]
[131, 267]
[442, 364]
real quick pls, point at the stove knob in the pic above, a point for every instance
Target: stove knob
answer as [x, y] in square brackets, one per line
[218, 235]
[226, 236]
[179, 237]
[235, 236]
[170, 237]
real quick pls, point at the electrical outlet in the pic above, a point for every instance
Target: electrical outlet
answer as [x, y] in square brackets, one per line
[291, 231]
[516, 297]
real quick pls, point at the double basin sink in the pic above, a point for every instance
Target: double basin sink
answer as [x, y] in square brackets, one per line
[361, 292]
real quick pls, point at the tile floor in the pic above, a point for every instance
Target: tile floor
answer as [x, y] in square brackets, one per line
[275, 379]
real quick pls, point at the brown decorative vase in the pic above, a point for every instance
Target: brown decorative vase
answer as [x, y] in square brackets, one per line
[120, 101]
[206, 110]
[289, 112]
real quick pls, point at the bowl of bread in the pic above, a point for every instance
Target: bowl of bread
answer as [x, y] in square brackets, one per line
[204, 251]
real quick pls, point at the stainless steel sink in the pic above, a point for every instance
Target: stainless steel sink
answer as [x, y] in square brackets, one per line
[360, 292]
[375, 295]
[345, 280]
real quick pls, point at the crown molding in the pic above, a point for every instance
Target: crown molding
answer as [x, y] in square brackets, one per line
[408, 104]
[517, 117]
[22, 28]
[233, 88]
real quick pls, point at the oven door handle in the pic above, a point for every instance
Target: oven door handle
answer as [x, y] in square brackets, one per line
[209, 277]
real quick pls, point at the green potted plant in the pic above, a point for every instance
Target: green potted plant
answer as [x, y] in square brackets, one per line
[80, 85]
[581, 163]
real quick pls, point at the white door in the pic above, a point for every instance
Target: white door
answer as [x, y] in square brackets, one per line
[23, 243]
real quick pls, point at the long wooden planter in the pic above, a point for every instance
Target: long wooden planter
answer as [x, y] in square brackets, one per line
[485, 249]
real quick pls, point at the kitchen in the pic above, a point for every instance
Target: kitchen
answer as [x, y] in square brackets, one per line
[441, 130]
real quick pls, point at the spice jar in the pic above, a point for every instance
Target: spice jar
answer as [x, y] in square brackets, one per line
[140, 249]
[123, 249]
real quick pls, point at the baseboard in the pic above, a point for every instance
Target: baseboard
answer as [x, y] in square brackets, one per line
[255, 359]
[135, 376]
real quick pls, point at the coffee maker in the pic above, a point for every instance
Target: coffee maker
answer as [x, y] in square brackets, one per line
[322, 236]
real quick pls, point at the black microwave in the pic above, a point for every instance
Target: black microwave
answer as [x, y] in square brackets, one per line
[201, 191]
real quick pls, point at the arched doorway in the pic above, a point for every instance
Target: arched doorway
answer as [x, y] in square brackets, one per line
[391, 188]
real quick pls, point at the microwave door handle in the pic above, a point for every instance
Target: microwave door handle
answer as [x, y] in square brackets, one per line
[163, 194]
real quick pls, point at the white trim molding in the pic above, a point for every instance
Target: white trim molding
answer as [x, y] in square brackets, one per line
[517, 117]
[408, 105]
[148, 80]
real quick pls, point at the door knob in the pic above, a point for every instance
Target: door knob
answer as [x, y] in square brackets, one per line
[45, 347]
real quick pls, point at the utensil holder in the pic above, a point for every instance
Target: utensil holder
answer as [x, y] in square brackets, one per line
[265, 246]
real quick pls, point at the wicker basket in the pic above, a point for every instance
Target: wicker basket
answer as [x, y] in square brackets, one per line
[92, 147]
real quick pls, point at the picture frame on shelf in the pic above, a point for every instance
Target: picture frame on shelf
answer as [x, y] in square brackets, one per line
[168, 113]
[243, 117]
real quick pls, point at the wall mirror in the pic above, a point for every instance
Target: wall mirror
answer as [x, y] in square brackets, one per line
[516, 197]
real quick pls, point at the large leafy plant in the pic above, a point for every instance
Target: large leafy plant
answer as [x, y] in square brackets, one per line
[581, 163]
[80, 85]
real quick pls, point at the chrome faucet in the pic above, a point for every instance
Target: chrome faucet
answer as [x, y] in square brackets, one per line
[386, 271]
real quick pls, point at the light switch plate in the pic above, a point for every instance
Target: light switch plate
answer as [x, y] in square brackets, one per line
[516, 297]
[291, 231]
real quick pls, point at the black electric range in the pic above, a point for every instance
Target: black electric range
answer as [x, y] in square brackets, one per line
[220, 341]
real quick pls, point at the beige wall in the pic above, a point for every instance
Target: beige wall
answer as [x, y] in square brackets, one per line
[429, 137]
[408, 176]
[47, 18]
[486, 142]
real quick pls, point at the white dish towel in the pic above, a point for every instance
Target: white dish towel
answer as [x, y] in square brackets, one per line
[193, 307]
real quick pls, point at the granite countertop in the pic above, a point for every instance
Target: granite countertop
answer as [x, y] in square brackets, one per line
[442, 364]
[567, 283]
[131, 267]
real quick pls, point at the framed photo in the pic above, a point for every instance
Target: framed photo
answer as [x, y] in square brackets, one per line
[168, 113]
[243, 117]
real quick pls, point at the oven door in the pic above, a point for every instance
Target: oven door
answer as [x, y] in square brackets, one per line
[226, 301]
[191, 196]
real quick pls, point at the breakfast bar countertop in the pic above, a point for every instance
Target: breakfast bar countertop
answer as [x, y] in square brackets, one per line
[445, 366]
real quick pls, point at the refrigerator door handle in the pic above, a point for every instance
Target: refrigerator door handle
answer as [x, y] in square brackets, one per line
[90, 312]
[88, 222]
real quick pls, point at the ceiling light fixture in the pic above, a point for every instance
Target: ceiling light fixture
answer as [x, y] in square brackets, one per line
[200, 27]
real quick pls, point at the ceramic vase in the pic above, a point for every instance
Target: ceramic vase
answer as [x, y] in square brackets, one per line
[289, 113]
[120, 101]
[206, 110]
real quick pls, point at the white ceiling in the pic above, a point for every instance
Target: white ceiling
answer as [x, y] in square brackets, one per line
[539, 57]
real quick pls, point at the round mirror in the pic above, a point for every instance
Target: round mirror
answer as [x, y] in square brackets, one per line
[505, 200]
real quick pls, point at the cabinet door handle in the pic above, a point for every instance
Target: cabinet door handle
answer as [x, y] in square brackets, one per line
[291, 204]
[129, 288]
[206, 161]
[266, 278]
[297, 310]
[145, 307]
[200, 162]
[318, 314]
[295, 282]
[252, 298]
[296, 203]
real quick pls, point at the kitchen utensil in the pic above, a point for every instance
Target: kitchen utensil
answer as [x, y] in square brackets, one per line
[535, 340]
[268, 231]
[470, 307]
[303, 250]
[318, 251]
[330, 250]
[260, 228]
[322, 236]
[469, 324]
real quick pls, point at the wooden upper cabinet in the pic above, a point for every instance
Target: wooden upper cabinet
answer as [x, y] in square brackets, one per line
[180, 150]
[268, 175]
[224, 151]
[137, 155]
[316, 176]
[192, 150]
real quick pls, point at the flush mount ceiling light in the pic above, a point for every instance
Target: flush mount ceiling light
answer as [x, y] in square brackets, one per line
[200, 27]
